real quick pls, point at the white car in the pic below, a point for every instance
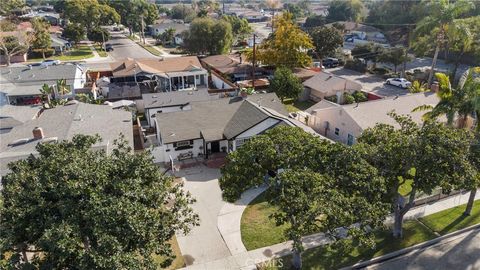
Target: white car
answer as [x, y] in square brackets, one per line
[400, 82]
[47, 63]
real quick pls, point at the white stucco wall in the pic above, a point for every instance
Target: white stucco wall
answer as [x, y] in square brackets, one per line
[80, 79]
[337, 118]
[219, 82]
[164, 152]
[152, 111]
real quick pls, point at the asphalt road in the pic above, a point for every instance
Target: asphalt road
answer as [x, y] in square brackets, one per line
[123, 47]
[460, 252]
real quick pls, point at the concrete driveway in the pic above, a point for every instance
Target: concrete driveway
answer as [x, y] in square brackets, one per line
[123, 47]
[461, 252]
[204, 243]
[369, 82]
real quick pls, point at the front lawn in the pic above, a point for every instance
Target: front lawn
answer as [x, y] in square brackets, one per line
[101, 52]
[178, 262]
[258, 230]
[443, 222]
[452, 219]
[80, 53]
[295, 106]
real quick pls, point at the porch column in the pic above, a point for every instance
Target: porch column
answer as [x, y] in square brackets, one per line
[183, 83]
[194, 81]
[170, 83]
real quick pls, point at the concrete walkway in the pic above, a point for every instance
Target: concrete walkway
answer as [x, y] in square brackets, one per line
[229, 219]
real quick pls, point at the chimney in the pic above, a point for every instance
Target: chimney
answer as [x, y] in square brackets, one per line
[38, 133]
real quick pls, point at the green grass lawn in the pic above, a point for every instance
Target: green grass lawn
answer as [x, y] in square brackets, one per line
[80, 53]
[151, 49]
[452, 219]
[415, 232]
[257, 229]
[295, 106]
[178, 262]
[100, 51]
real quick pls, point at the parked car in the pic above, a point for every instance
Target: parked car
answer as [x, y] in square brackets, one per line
[108, 47]
[46, 63]
[330, 62]
[400, 82]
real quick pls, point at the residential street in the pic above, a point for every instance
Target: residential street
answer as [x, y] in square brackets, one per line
[123, 47]
[460, 252]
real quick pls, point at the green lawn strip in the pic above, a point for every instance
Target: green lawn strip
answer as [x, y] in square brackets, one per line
[258, 230]
[295, 106]
[178, 262]
[452, 219]
[328, 257]
[100, 51]
[82, 52]
[150, 49]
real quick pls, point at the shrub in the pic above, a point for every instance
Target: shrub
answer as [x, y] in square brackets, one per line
[356, 65]
[331, 98]
[348, 98]
[359, 96]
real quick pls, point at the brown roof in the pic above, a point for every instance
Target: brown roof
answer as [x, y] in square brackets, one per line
[227, 65]
[304, 73]
[129, 66]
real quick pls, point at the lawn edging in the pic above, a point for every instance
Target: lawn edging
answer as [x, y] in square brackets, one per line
[404, 251]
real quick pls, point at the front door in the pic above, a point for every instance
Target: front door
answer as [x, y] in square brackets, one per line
[215, 147]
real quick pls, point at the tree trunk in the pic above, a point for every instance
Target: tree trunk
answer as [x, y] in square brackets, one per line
[455, 66]
[398, 223]
[8, 59]
[471, 200]
[395, 68]
[434, 63]
[297, 259]
[43, 54]
[400, 209]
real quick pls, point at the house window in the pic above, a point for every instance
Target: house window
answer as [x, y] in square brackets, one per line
[240, 142]
[350, 139]
[183, 145]
[337, 131]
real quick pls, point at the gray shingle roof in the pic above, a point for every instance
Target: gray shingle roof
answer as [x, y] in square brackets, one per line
[175, 98]
[216, 119]
[65, 122]
[22, 80]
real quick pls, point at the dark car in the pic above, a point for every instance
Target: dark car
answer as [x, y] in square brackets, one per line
[330, 62]
[108, 47]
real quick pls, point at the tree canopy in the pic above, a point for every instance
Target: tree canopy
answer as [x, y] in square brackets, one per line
[75, 207]
[132, 11]
[326, 40]
[394, 56]
[90, 13]
[183, 12]
[415, 159]
[345, 10]
[208, 36]
[317, 185]
[285, 84]
[288, 46]
[74, 32]
[240, 27]
[41, 36]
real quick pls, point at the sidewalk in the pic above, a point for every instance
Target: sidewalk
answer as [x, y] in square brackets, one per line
[242, 259]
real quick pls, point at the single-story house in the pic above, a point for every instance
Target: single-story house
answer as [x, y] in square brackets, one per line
[162, 25]
[62, 123]
[253, 16]
[231, 68]
[325, 84]
[156, 103]
[345, 123]
[20, 85]
[59, 44]
[12, 116]
[166, 74]
[217, 126]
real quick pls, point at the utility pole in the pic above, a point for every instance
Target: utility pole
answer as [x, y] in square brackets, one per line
[253, 62]
[143, 26]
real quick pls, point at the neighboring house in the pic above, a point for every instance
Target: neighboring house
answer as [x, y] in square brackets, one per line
[230, 68]
[59, 44]
[345, 123]
[253, 16]
[20, 85]
[161, 26]
[217, 126]
[12, 116]
[157, 103]
[325, 84]
[62, 123]
[164, 75]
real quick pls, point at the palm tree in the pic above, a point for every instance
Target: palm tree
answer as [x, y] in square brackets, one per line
[463, 101]
[62, 87]
[442, 16]
[461, 39]
[418, 87]
[47, 92]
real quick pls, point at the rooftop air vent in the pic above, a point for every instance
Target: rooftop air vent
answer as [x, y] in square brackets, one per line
[50, 140]
[19, 142]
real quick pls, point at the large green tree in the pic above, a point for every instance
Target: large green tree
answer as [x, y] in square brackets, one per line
[13, 44]
[208, 36]
[7, 6]
[317, 185]
[75, 207]
[395, 56]
[41, 36]
[416, 159]
[285, 84]
[432, 29]
[240, 27]
[132, 12]
[90, 13]
[183, 12]
[326, 40]
[345, 10]
[74, 32]
[287, 46]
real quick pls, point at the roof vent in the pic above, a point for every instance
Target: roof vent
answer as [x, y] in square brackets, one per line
[49, 140]
[78, 118]
[38, 133]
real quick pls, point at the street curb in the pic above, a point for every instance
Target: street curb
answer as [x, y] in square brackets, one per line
[404, 251]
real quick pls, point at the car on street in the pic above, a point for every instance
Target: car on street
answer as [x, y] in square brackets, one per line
[108, 47]
[399, 82]
[330, 62]
[46, 63]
